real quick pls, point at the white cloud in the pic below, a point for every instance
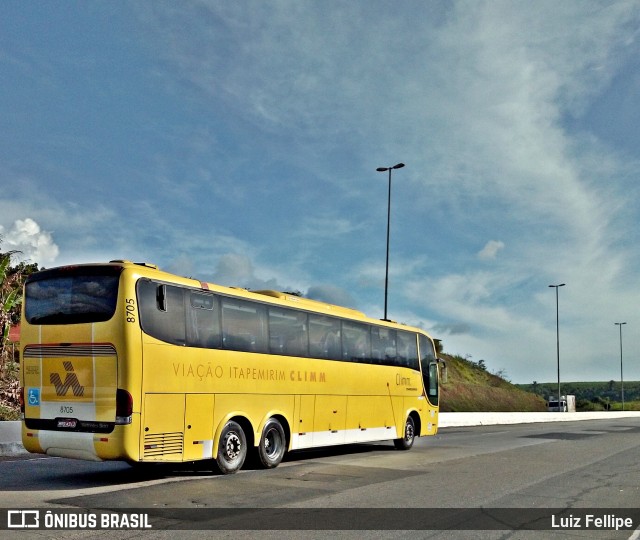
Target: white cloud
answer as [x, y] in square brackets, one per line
[490, 250]
[34, 244]
[237, 270]
[331, 295]
[326, 227]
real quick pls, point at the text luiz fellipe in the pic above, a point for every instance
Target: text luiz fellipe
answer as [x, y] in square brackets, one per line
[592, 521]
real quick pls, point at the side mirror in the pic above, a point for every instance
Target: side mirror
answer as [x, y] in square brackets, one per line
[443, 370]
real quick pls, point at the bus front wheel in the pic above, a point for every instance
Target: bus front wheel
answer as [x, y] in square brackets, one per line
[273, 444]
[409, 435]
[232, 448]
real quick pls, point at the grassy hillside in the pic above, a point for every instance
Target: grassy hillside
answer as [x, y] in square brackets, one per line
[471, 388]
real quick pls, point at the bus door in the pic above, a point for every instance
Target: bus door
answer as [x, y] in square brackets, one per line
[429, 368]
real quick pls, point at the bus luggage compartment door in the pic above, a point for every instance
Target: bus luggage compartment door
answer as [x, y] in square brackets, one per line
[163, 427]
[329, 420]
[198, 427]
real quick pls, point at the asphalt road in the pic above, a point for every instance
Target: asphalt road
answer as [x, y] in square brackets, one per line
[513, 473]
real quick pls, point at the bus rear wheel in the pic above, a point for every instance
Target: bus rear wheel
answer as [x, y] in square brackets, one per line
[232, 448]
[273, 444]
[409, 435]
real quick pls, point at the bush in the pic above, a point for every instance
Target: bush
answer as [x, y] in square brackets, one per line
[9, 392]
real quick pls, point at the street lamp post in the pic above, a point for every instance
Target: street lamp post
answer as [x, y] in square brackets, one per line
[386, 274]
[558, 337]
[619, 324]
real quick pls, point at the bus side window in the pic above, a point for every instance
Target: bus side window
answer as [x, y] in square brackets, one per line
[288, 334]
[356, 342]
[408, 350]
[324, 337]
[383, 344]
[203, 322]
[244, 326]
[165, 321]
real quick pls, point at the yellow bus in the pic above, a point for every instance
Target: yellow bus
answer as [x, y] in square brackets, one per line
[122, 361]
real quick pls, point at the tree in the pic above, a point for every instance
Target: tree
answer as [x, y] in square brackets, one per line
[11, 283]
[9, 300]
[502, 373]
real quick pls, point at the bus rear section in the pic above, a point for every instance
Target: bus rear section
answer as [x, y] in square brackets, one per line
[72, 406]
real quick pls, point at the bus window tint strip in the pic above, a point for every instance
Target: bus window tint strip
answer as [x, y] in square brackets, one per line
[207, 320]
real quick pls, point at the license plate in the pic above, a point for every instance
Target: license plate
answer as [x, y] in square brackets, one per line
[67, 423]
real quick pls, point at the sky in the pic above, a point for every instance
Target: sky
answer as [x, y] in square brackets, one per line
[238, 142]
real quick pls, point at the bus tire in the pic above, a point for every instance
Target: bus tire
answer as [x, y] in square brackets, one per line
[409, 435]
[232, 448]
[272, 445]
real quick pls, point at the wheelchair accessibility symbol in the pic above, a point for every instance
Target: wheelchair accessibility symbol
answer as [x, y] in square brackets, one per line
[33, 397]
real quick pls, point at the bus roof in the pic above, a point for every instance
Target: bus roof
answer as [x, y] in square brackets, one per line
[282, 298]
[311, 304]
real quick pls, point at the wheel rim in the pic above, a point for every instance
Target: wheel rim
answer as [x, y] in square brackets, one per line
[272, 443]
[409, 432]
[232, 446]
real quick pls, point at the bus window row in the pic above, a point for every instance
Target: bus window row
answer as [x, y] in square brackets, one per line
[194, 318]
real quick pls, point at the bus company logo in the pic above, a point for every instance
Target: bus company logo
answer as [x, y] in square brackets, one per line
[70, 381]
[23, 519]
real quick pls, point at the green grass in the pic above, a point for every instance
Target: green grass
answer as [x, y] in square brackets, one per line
[472, 389]
[592, 396]
[584, 405]
[9, 413]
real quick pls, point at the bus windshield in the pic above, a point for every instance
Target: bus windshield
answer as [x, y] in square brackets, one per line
[72, 295]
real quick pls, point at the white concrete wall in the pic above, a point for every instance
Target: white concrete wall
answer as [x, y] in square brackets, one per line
[10, 431]
[487, 418]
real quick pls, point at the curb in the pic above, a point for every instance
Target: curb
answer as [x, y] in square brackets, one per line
[12, 449]
[11, 438]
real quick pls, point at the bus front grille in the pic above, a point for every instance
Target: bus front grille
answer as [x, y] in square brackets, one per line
[162, 444]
